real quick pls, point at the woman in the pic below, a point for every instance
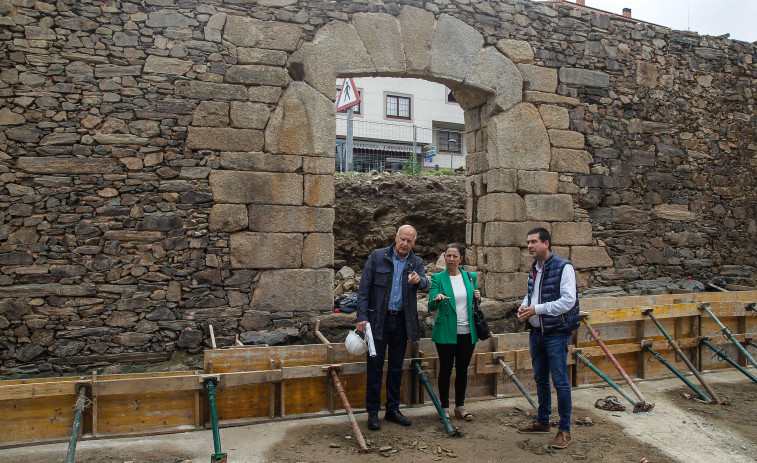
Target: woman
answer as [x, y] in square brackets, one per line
[452, 293]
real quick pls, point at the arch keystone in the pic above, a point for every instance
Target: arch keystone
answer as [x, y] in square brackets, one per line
[388, 56]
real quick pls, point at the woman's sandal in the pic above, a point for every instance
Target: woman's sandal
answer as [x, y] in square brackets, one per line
[463, 414]
[446, 413]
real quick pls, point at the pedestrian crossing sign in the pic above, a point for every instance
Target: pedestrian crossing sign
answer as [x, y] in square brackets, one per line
[349, 95]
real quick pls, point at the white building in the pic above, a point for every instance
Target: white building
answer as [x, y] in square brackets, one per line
[393, 114]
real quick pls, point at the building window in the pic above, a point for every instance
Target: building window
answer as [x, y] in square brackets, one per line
[356, 108]
[450, 96]
[397, 107]
[450, 141]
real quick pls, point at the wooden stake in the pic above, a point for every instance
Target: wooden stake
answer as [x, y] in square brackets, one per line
[212, 337]
[272, 391]
[282, 392]
[94, 405]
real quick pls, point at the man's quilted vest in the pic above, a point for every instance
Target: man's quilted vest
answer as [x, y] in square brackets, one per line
[550, 291]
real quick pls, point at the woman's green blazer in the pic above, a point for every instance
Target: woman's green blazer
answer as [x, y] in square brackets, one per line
[445, 325]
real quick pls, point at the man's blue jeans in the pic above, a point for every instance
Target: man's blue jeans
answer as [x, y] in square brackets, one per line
[549, 354]
[395, 338]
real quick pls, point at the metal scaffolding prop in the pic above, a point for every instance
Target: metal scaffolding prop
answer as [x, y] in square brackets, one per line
[217, 456]
[724, 356]
[674, 345]
[451, 431]
[81, 403]
[339, 387]
[728, 334]
[511, 374]
[637, 406]
[258, 384]
[648, 347]
[641, 405]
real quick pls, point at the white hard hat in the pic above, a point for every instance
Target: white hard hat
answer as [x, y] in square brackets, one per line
[355, 344]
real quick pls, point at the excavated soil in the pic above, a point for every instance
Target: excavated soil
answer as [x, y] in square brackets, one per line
[369, 208]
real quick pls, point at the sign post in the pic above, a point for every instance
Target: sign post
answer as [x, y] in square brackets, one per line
[348, 99]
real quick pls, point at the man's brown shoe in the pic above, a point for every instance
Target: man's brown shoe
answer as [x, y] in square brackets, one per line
[534, 428]
[562, 439]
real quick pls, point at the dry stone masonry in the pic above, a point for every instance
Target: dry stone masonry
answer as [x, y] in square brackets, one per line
[168, 164]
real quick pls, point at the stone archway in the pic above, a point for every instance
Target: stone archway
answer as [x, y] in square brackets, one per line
[518, 138]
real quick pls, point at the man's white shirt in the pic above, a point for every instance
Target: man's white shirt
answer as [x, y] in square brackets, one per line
[567, 294]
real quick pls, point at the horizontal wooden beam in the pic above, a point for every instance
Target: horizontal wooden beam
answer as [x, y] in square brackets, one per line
[36, 390]
[146, 385]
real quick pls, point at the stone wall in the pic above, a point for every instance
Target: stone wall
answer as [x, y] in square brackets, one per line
[167, 164]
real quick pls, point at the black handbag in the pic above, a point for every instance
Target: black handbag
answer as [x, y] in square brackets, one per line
[479, 319]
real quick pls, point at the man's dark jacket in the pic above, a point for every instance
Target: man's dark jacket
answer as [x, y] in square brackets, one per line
[376, 286]
[550, 292]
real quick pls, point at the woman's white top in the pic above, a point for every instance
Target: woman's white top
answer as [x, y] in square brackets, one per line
[461, 303]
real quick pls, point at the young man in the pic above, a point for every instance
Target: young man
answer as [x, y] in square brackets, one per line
[550, 310]
[387, 298]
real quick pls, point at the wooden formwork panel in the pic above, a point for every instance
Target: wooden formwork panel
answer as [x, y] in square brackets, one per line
[141, 413]
[728, 296]
[245, 401]
[711, 361]
[623, 302]
[34, 388]
[37, 419]
[300, 395]
[612, 333]
[259, 358]
[258, 382]
[629, 362]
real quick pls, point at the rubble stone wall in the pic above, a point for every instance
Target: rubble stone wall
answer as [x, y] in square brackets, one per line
[167, 164]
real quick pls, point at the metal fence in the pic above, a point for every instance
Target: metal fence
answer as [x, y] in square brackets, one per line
[384, 146]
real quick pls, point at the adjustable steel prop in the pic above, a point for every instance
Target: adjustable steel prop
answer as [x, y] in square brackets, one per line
[642, 405]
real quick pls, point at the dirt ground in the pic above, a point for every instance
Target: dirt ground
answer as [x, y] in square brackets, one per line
[678, 429]
[611, 437]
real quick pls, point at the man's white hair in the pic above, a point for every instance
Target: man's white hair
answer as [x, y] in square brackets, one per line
[403, 226]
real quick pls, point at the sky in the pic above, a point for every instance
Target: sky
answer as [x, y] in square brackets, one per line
[707, 17]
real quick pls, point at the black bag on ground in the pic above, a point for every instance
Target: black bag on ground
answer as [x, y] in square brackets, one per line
[479, 319]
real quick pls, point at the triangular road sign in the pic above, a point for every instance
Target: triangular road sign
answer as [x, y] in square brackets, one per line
[349, 95]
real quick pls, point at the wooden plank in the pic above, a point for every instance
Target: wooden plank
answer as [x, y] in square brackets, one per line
[628, 314]
[128, 386]
[331, 388]
[93, 418]
[640, 363]
[257, 358]
[254, 400]
[244, 378]
[282, 392]
[271, 392]
[620, 349]
[41, 419]
[149, 412]
[37, 390]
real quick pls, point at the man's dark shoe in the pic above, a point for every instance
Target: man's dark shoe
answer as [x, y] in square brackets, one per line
[373, 422]
[396, 417]
[562, 439]
[534, 428]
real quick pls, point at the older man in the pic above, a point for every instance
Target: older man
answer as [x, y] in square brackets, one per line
[550, 310]
[387, 299]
